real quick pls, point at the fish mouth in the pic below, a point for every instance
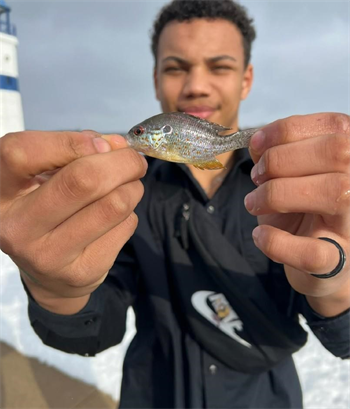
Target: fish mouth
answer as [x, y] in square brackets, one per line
[199, 111]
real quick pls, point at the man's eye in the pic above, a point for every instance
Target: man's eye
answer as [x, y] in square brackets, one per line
[222, 68]
[173, 69]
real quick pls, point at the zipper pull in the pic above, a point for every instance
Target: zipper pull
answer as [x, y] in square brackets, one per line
[184, 227]
[186, 211]
[181, 232]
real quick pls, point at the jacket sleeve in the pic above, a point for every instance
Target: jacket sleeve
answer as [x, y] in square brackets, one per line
[332, 332]
[101, 323]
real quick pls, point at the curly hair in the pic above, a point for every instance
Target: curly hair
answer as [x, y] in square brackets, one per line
[185, 10]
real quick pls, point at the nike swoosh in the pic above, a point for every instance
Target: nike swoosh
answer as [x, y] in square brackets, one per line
[228, 325]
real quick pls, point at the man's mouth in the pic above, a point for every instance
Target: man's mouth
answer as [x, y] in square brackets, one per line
[199, 111]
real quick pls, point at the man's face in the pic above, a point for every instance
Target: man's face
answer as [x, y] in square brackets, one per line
[200, 70]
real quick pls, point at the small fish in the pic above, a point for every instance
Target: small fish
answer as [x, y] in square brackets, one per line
[184, 138]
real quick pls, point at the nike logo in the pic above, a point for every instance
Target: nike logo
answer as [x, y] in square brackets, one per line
[220, 314]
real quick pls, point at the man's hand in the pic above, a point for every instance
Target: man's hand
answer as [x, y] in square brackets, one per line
[67, 202]
[303, 176]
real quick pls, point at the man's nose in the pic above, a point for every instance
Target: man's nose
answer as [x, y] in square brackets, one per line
[197, 83]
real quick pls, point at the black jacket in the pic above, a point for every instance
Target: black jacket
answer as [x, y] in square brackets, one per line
[167, 365]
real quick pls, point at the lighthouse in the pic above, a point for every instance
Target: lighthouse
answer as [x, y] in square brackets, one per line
[11, 112]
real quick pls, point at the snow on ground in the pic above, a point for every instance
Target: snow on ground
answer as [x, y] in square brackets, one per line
[325, 379]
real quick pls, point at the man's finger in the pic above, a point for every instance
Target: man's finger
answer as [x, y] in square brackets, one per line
[299, 254]
[88, 267]
[76, 186]
[101, 254]
[326, 154]
[296, 128]
[24, 155]
[302, 195]
[94, 221]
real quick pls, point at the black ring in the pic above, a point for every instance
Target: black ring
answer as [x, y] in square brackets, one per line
[341, 264]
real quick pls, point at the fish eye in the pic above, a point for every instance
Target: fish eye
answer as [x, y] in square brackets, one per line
[139, 130]
[167, 129]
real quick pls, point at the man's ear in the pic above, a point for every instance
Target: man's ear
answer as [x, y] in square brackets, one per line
[247, 81]
[155, 82]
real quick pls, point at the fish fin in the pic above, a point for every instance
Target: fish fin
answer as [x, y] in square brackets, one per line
[211, 164]
[220, 128]
[211, 125]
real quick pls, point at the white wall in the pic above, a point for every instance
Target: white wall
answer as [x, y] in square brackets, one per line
[8, 56]
[11, 112]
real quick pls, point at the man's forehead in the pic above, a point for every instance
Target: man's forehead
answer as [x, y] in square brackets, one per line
[212, 37]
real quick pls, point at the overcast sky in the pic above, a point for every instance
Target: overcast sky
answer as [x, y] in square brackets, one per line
[88, 65]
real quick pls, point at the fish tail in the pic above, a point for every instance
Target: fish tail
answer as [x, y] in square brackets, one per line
[240, 139]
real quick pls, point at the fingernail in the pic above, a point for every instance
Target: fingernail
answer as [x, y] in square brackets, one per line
[101, 145]
[115, 141]
[261, 166]
[90, 133]
[144, 159]
[254, 174]
[256, 234]
[257, 142]
[249, 201]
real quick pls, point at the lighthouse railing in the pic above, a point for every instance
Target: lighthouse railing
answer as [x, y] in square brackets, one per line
[8, 28]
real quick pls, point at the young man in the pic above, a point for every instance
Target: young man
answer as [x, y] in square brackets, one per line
[217, 319]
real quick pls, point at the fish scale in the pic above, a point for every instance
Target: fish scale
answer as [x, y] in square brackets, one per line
[184, 138]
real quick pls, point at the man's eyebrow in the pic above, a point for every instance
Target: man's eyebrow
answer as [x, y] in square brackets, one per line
[176, 59]
[211, 60]
[221, 57]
